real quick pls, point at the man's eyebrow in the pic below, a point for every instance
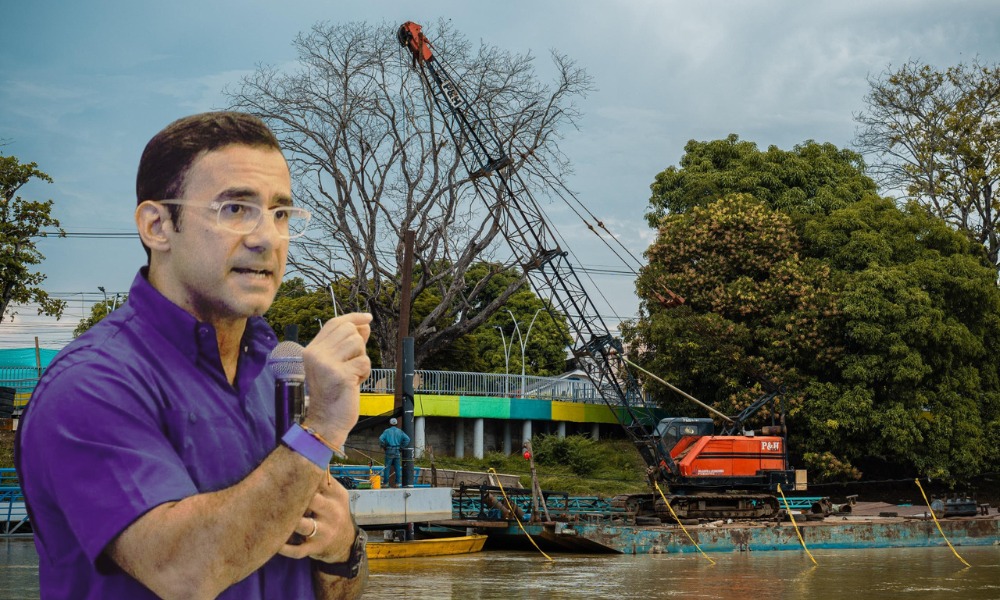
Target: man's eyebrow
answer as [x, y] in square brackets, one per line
[249, 194]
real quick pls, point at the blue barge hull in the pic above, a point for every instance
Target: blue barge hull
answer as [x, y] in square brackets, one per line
[833, 533]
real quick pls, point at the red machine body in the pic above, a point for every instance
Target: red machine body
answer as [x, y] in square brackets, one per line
[728, 455]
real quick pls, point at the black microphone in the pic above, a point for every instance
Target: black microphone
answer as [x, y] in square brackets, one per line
[285, 362]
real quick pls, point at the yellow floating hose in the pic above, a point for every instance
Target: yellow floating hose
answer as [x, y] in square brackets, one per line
[933, 516]
[797, 532]
[513, 511]
[684, 529]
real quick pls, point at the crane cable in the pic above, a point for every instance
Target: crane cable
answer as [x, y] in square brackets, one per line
[597, 220]
[684, 529]
[513, 511]
[795, 525]
[933, 516]
[547, 222]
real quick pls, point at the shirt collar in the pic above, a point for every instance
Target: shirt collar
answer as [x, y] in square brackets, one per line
[190, 336]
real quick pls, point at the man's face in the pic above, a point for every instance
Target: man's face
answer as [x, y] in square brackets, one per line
[215, 274]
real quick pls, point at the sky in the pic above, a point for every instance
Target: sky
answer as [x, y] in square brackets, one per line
[84, 85]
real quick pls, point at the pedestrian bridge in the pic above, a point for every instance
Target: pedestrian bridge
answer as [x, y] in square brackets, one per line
[447, 403]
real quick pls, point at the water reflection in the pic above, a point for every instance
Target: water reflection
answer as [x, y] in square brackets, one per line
[853, 574]
[890, 573]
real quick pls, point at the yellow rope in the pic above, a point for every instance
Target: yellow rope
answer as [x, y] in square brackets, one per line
[933, 516]
[513, 511]
[684, 529]
[797, 532]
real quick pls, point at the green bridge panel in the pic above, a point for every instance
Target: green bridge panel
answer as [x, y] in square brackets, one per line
[483, 407]
[521, 408]
[599, 413]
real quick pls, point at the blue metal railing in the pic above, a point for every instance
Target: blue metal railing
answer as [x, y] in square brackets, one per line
[13, 513]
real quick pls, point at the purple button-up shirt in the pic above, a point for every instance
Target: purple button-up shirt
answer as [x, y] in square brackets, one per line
[134, 413]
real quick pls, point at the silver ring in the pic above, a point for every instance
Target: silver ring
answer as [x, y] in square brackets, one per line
[315, 529]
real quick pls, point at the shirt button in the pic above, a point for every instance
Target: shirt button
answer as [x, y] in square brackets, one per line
[192, 417]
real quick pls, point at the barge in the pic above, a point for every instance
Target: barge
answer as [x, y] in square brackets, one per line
[868, 525]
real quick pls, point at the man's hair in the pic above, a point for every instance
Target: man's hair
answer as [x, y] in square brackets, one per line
[170, 154]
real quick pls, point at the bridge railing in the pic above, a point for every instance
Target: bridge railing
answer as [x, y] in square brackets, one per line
[498, 385]
[447, 383]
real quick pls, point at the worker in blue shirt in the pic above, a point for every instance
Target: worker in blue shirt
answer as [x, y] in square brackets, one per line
[391, 440]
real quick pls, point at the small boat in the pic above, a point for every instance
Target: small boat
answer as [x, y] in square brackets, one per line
[429, 547]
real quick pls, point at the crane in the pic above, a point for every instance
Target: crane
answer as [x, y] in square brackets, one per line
[683, 453]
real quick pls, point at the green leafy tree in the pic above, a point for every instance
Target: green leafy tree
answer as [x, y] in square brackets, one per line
[22, 222]
[879, 321]
[934, 137]
[478, 351]
[97, 313]
[812, 178]
[296, 304]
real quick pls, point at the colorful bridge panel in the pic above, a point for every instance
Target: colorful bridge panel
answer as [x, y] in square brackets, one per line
[483, 407]
[598, 413]
[436, 405]
[524, 409]
[568, 411]
[376, 404]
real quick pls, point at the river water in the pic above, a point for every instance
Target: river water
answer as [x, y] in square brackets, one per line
[912, 573]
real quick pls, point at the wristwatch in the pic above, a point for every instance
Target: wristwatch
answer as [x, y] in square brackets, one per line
[350, 568]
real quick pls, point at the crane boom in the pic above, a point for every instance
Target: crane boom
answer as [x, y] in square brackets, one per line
[534, 246]
[712, 476]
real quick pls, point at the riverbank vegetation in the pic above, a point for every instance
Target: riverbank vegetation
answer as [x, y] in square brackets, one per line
[575, 464]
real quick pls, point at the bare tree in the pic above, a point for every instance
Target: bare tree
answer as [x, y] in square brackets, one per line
[935, 137]
[371, 160]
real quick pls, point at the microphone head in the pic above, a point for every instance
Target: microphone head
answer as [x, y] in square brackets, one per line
[285, 362]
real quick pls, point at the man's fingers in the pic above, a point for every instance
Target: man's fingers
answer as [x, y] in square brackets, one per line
[357, 320]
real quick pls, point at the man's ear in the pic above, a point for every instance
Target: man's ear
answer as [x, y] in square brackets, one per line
[152, 220]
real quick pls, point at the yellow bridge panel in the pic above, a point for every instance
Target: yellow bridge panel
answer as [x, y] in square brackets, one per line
[376, 404]
[568, 411]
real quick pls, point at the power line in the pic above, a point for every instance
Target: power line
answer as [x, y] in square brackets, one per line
[112, 235]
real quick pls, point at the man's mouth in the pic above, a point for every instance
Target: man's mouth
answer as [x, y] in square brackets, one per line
[264, 273]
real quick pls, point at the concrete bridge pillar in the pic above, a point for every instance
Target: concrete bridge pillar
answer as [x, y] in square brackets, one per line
[419, 436]
[561, 429]
[477, 438]
[526, 431]
[595, 431]
[460, 439]
[506, 437]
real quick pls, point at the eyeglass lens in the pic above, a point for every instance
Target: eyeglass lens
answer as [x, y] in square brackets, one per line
[243, 217]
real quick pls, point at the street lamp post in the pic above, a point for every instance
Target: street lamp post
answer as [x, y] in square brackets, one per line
[524, 343]
[506, 356]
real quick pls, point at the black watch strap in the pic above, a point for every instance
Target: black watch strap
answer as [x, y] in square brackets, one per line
[350, 568]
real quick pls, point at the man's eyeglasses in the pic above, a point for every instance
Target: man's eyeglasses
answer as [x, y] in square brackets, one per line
[244, 217]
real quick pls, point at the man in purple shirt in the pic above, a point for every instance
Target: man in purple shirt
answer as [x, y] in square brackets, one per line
[147, 454]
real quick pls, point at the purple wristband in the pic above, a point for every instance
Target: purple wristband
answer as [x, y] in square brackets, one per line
[304, 443]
